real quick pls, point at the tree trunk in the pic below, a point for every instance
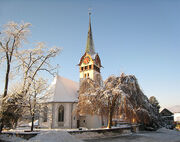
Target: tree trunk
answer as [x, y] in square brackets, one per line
[6, 80]
[2, 116]
[110, 118]
[102, 120]
[1, 124]
[32, 123]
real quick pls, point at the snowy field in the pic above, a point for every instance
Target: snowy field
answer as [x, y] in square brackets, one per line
[44, 136]
[162, 135]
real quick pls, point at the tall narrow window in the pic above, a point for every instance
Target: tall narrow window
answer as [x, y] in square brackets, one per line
[45, 113]
[61, 114]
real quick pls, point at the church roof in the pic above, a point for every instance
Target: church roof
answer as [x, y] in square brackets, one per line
[90, 44]
[62, 90]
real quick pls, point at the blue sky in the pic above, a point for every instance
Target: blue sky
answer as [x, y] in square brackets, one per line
[140, 37]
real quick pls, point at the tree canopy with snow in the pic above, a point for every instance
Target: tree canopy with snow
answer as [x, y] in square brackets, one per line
[120, 97]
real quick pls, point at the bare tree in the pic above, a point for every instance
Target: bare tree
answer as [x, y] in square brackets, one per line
[35, 61]
[10, 41]
[34, 98]
[32, 63]
[29, 62]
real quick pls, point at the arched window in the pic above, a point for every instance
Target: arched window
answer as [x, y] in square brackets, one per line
[61, 114]
[45, 114]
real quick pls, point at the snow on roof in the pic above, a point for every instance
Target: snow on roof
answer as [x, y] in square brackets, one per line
[63, 90]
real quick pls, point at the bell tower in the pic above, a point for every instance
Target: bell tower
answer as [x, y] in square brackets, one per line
[90, 63]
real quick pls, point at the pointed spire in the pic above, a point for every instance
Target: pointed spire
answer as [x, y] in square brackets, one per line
[90, 43]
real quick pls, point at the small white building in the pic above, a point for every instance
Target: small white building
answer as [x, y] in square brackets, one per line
[60, 104]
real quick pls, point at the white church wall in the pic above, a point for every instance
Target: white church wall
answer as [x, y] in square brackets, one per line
[93, 121]
[70, 119]
[74, 117]
[52, 119]
[67, 115]
[68, 122]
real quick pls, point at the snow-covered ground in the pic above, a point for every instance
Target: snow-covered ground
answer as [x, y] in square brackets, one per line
[44, 136]
[162, 135]
[10, 138]
[54, 136]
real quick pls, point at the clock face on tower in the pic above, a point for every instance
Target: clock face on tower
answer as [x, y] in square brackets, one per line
[86, 60]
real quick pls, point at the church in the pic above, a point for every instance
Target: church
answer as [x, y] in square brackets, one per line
[59, 108]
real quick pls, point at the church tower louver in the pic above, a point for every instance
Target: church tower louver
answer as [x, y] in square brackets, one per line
[90, 63]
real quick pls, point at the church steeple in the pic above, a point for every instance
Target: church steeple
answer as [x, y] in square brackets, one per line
[90, 44]
[90, 63]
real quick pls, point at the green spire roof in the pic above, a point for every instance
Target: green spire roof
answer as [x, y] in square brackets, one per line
[90, 43]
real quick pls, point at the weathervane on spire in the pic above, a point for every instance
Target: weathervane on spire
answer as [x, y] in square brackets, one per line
[89, 11]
